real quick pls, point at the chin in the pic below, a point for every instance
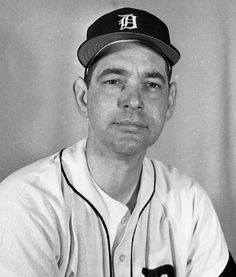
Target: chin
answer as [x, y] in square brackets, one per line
[129, 147]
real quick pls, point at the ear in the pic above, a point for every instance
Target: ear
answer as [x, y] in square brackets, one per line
[171, 100]
[81, 96]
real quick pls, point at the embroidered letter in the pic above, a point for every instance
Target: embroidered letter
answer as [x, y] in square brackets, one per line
[128, 21]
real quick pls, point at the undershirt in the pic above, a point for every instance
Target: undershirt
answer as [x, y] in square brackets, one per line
[118, 214]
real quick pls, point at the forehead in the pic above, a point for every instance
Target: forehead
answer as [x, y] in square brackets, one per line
[131, 57]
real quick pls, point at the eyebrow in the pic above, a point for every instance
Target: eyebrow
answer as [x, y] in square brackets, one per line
[118, 71]
[155, 74]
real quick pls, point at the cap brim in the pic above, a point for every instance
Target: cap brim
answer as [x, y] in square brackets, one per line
[89, 48]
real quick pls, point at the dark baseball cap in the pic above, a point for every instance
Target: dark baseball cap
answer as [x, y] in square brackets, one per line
[127, 24]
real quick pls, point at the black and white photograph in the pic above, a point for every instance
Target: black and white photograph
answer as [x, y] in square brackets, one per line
[117, 138]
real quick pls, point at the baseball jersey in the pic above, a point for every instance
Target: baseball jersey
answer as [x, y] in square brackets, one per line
[53, 222]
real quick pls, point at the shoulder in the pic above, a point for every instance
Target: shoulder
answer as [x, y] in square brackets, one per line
[38, 186]
[34, 175]
[42, 176]
[183, 199]
[173, 182]
[28, 191]
[35, 200]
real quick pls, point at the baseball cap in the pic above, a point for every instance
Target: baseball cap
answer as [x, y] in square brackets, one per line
[127, 24]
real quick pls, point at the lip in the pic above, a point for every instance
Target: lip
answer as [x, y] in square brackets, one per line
[129, 123]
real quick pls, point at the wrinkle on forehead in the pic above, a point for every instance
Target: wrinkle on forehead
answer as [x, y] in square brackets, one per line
[134, 58]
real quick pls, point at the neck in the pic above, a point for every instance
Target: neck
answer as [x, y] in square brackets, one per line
[117, 175]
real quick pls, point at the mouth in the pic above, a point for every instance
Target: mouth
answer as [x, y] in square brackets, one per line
[129, 125]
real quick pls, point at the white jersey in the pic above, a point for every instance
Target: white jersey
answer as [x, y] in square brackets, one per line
[53, 223]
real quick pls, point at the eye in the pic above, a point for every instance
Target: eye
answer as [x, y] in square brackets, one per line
[153, 85]
[113, 82]
[116, 83]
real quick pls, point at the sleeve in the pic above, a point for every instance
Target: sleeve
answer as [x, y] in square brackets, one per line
[208, 253]
[230, 269]
[27, 238]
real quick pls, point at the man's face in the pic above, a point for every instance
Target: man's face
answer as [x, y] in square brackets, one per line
[128, 100]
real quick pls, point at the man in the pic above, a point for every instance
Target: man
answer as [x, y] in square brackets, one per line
[101, 207]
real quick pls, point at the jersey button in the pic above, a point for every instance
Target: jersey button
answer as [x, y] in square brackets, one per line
[124, 220]
[122, 258]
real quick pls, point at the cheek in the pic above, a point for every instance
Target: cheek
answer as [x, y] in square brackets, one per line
[99, 107]
[157, 110]
[93, 103]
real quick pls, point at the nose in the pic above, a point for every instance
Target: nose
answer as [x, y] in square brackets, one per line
[131, 98]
